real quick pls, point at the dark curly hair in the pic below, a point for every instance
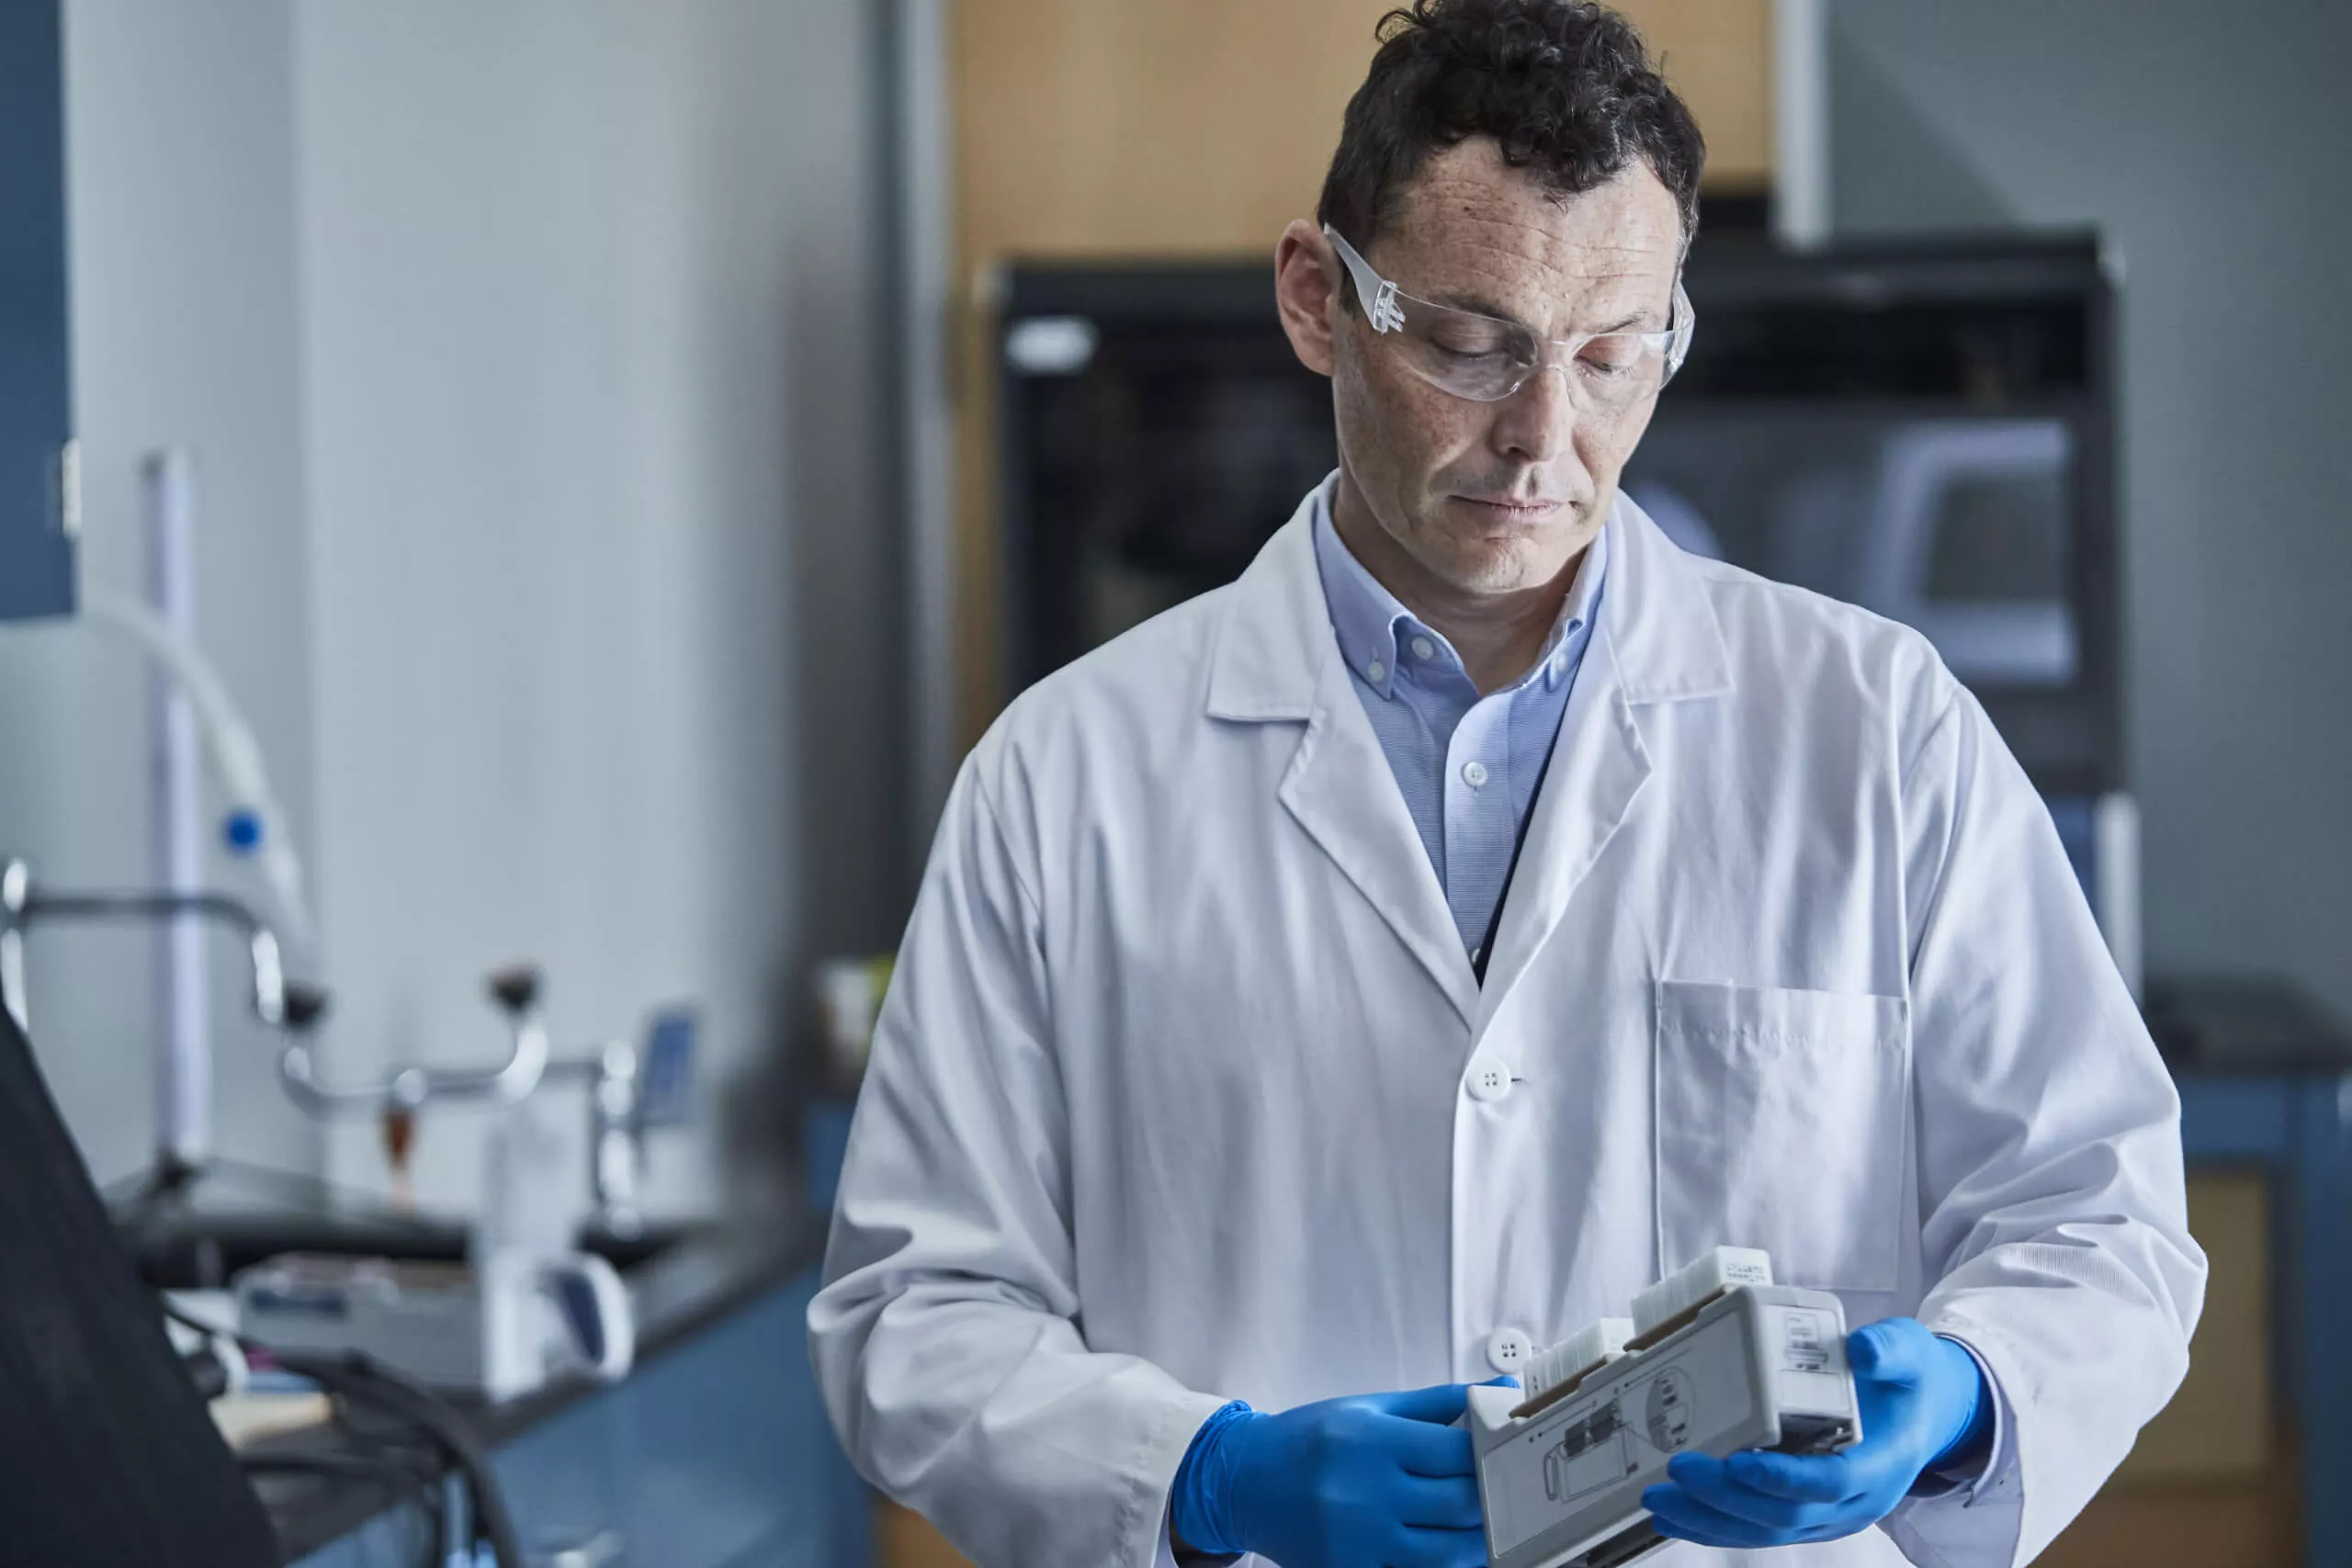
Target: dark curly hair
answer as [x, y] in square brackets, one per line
[1566, 89]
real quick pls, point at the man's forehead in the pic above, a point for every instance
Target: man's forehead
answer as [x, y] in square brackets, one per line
[1469, 213]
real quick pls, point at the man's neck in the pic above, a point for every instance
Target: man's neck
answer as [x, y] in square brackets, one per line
[1499, 636]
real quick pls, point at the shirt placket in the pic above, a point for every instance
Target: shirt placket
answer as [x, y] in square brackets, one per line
[1478, 817]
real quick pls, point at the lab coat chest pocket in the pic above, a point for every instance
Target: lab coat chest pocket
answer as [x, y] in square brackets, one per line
[1782, 1124]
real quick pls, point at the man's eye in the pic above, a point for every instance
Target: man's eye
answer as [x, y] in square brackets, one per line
[1469, 342]
[1614, 355]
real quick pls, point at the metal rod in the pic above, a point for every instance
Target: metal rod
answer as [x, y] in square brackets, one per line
[183, 1038]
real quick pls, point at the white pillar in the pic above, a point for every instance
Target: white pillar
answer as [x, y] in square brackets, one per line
[1800, 122]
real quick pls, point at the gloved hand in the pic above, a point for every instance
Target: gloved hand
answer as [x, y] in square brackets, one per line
[1374, 1478]
[1923, 1401]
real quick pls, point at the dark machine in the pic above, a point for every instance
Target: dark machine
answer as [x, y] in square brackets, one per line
[1924, 429]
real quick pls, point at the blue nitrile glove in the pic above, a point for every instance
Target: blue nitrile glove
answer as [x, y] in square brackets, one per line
[1373, 1478]
[1923, 1401]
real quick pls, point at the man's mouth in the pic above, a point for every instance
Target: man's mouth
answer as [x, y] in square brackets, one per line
[1505, 508]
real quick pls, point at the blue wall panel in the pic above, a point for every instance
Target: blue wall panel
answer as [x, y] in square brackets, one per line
[36, 411]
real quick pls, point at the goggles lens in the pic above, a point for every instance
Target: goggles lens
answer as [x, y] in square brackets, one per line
[1487, 359]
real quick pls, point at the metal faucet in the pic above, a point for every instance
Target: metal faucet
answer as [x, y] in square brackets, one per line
[615, 1132]
[516, 991]
[24, 903]
[616, 1072]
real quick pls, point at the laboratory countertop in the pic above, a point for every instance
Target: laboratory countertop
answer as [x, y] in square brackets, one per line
[2237, 1025]
[678, 1294]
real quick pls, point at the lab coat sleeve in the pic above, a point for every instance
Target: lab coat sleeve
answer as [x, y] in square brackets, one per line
[947, 1336]
[2055, 1231]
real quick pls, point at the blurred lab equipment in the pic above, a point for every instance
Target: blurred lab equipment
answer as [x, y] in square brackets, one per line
[529, 1290]
[577, 1548]
[501, 1324]
[192, 715]
[631, 1090]
[1925, 429]
[255, 822]
[426, 1319]
[183, 1111]
[25, 903]
[849, 993]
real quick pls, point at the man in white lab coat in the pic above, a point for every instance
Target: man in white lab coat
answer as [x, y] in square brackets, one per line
[1369, 971]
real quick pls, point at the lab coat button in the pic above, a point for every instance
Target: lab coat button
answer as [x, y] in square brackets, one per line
[1507, 1350]
[1489, 1080]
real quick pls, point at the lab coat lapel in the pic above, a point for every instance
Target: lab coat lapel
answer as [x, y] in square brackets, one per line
[1343, 793]
[1277, 659]
[1658, 639]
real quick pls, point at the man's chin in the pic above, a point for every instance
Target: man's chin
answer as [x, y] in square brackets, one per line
[1491, 565]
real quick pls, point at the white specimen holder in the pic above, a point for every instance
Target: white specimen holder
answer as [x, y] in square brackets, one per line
[526, 1308]
[1719, 1359]
[525, 1270]
[1699, 1282]
[426, 1319]
[1572, 1357]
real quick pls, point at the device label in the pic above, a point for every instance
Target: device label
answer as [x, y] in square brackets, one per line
[1571, 1458]
[1804, 1339]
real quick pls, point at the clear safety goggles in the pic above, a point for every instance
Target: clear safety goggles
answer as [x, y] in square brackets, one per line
[1485, 360]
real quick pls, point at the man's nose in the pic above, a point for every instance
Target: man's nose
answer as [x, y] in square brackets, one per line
[1539, 420]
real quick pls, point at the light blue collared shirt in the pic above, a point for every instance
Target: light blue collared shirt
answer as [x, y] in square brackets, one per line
[1468, 765]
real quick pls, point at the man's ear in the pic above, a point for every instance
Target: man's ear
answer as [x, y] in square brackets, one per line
[1306, 282]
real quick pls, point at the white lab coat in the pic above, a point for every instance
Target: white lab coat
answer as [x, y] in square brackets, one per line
[1184, 1089]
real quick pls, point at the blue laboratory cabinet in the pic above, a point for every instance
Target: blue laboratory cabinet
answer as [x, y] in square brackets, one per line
[37, 482]
[715, 1454]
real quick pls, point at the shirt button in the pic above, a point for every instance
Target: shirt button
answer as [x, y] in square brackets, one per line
[1489, 1080]
[1508, 1350]
[1473, 774]
[1375, 672]
[1424, 648]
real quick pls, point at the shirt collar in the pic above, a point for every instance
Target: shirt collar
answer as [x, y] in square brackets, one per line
[1370, 622]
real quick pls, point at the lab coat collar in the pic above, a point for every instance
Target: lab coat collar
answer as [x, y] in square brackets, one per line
[1277, 658]
[1657, 618]
[1659, 615]
[1276, 634]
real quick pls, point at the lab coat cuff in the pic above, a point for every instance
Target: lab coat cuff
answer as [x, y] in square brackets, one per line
[1959, 1521]
[1999, 1455]
[1170, 1436]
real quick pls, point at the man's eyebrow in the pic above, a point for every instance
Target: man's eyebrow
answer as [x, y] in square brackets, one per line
[1640, 319]
[1479, 304]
